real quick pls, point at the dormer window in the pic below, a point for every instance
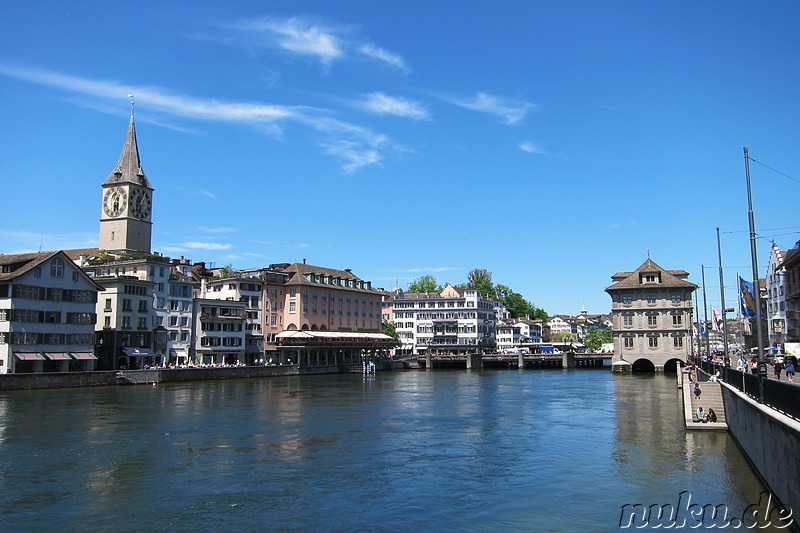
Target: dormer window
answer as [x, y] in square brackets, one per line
[651, 277]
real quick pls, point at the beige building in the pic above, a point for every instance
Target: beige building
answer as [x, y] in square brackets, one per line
[651, 312]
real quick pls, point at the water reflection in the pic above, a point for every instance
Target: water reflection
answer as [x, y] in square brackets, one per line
[473, 451]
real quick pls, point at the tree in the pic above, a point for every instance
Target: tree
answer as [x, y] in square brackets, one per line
[481, 279]
[595, 338]
[389, 329]
[517, 305]
[226, 271]
[540, 314]
[562, 336]
[425, 284]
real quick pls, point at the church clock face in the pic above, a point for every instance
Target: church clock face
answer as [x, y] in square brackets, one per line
[140, 203]
[114, 201]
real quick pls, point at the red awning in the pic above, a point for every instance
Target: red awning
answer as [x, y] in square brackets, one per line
[83, 355]
[58, 356]
[29, 356]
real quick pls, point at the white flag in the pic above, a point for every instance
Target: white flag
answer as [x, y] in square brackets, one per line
[716, 319]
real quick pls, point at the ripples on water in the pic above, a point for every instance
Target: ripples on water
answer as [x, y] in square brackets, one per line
[399, 451]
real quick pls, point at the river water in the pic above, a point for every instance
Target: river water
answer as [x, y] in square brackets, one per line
[438, 450]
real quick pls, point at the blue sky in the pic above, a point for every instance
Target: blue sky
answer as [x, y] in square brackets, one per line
[551, 143]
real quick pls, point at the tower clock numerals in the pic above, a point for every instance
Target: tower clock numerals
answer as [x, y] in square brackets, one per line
[114, 201]
[140, 203]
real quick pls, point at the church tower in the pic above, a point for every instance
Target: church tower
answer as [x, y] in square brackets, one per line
[125, 221]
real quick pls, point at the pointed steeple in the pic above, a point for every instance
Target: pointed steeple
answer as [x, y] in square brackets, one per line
[129, 166]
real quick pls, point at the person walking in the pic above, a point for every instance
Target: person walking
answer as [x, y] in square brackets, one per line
[697, 391]
[778, 367]
[789, 371]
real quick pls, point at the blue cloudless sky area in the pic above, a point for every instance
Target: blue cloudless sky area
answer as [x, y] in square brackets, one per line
[551, 143]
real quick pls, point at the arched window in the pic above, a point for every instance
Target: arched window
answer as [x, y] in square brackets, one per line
[57, 268]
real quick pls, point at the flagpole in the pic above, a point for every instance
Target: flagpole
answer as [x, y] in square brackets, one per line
[725, 358]
[697, 317]
[762, 363]
[739, 317]
[705, 309]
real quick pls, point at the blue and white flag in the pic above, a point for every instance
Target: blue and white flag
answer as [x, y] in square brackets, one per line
[747, 298]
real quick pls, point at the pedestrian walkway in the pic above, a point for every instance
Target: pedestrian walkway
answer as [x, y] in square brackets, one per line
[783, 379]
[710, 398]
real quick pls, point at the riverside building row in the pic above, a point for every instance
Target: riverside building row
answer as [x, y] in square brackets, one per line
[120, 306]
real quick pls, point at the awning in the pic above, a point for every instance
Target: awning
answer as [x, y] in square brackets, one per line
[83, 355]
[139, 352]
[58, 356]
[29, 356]
[179, 354]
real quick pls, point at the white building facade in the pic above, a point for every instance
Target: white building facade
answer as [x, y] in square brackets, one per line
[47, 314]
[457, 321]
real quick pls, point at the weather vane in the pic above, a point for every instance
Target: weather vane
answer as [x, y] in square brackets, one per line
[132, 103]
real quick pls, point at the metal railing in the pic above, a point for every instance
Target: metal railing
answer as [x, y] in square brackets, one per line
[784, 397]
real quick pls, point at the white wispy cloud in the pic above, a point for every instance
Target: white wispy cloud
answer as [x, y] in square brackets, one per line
[383, 104]
[207, 246]
[217, 230]
[530, 147]
[354, 145]
[306, 37]
[355, 155]
[508, 110]
[370, 50]
[157, 98]
[297, 35]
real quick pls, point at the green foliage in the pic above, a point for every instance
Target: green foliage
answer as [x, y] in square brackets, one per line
[226, 271]
[425, 284]
[481, 279]
[562, 336]
[595, 338]
[516, 304]
[389, 329]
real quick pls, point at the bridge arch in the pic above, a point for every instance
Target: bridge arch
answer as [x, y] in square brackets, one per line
[673, 365]
[643, 366]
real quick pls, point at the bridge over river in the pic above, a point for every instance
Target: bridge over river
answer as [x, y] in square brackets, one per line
[474, 361]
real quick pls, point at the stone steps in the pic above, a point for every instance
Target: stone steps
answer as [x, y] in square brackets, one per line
[710, 398]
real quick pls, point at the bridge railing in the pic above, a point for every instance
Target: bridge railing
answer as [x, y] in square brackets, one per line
[784, 397]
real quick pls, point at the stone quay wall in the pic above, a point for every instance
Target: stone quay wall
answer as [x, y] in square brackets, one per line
[770, 440]
[60, 380]
[57, 380]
